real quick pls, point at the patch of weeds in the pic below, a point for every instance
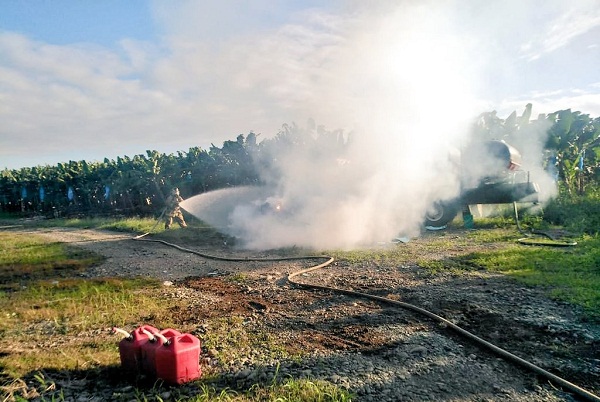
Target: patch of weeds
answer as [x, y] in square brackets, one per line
[502, 235]
[576, 213]
[18, 390]
[137, 225]
[424, 248]
[132, 224]
[288, 390]
[237, 278]
[78, 312]
[357, 256]
[26, 258]
[301, 390]
[232, 339]
[71, 297]
[195, 234]
[570, 274]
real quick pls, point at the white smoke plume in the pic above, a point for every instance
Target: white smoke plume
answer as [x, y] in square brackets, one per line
[398, 81]
[530, 140]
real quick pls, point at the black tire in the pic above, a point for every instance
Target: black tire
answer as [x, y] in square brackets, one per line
[441, 213]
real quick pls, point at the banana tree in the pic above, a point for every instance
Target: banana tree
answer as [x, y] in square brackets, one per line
[575, 139]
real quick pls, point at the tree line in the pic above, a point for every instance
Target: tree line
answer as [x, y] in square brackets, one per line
[139, 185]
[128, 186]
[571, 143]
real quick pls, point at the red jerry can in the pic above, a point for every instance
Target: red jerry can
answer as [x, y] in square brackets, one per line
[130, 348]
[178, 360]
[148, 349]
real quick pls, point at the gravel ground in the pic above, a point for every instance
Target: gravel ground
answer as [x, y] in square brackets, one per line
[378, 351]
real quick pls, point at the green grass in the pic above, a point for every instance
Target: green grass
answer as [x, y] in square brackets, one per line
[54, 321]
[197, 232]
[134, 225]
[42, 298]
[288, 390]
[574, 212]
[229, 334]
[41, 295]
[420, 248]
[300, 390]
[24, 258]
[81, 311]
[570, 274]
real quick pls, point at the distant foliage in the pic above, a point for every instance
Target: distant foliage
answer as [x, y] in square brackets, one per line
[128, 185]
[575, 212]
[138, 185]
[575, 139]
[571, 153]
[571, 143]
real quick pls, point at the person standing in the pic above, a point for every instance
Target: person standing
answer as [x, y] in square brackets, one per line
[173, 211]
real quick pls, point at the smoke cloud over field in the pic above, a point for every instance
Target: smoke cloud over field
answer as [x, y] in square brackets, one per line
[395, 84]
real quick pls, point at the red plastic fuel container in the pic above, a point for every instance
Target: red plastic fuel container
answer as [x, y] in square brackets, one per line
[178, 360]
[148, 349]
[130, 348]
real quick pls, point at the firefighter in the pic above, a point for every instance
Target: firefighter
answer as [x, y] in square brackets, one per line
[173, 211]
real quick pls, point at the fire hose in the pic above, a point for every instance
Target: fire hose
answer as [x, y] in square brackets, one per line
[329, 260]
[530, 240]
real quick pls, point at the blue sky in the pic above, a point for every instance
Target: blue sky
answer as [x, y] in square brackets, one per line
[94, 79]
[63, 22]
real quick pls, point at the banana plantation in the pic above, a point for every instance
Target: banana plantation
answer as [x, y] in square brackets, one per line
[126, 186]
[138, 185]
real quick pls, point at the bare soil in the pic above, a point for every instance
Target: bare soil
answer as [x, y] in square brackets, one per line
[398, 354]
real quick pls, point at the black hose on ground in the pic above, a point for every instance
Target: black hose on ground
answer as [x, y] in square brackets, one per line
[503, 353]
[329, 260]
[531, 241]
